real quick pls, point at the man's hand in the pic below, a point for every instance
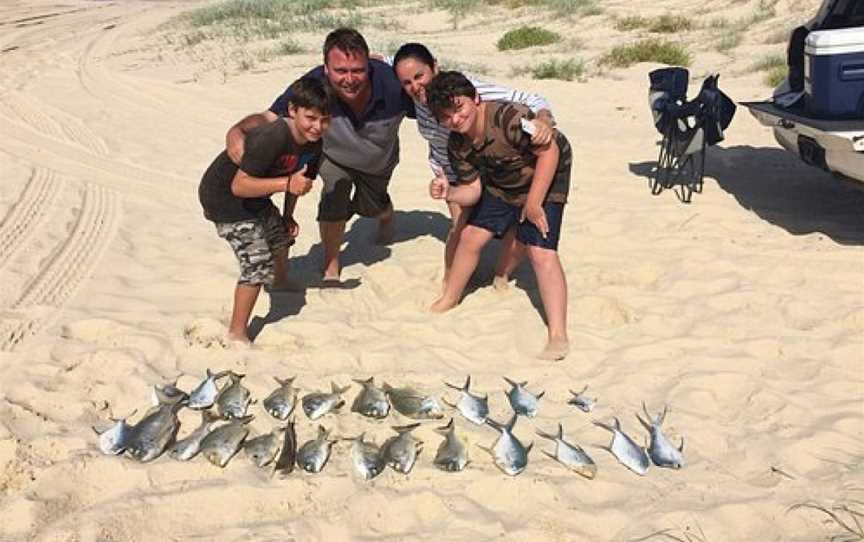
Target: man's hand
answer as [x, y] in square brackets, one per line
[235, 141]
[439, 187]
[298, 183]
[292, 228]
[537, 216]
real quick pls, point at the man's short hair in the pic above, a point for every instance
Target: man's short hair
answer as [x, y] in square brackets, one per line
[347, 40]
[442, 91]
[310, 93]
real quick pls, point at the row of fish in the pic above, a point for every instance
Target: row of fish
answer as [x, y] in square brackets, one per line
[157, 430]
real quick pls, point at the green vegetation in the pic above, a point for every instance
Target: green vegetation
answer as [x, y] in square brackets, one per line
[288, 47]
[769, 63]
[631, 23]
[729, 42]
[780, 35]
[776, 75]
[670, 24]
[650, 50]
[526, 36]
[467, 67]
[565, 70]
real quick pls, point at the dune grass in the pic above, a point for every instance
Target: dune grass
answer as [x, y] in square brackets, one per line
[664, 24]
[565, 70]
[650, 50]
[632, 22]
[527, 36]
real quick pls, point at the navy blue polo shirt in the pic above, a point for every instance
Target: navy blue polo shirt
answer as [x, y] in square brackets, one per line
[369, 143]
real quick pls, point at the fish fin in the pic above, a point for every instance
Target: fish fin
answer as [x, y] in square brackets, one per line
[448, 403]
[541, 394]
[489, 451]
[551, 456]
[603, 425]
[284, 382]
[369, 381]
[547, 436]
[529, 447]
[96, 430]
[405, 428]
[560, 431]
[495, 425]
[511, 382]
[452, 386]
[446, 429]
[512, 422]
[386, 387]
[467, 382]
[681, 448]
[220, 374]
[245, 419]
[644, 423]
[662, 417]
[207, 416]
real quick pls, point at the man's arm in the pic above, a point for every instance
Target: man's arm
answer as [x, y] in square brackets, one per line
[235, 139]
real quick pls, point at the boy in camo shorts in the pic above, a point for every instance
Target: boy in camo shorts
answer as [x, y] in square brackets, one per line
[282, 156]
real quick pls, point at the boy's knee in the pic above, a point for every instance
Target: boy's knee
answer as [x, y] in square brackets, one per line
[473, 237]
[542, 256]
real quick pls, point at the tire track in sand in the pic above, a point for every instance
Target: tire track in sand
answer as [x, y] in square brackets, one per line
[44, 297]
[29, 212]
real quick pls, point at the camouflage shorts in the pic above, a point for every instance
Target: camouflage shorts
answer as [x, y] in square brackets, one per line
[254, 242]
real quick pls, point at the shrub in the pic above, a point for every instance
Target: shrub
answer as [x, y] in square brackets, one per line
[566, 70]
[670, 24]
[526, 36]
[650, 50]
[776, 75]
[631, 23]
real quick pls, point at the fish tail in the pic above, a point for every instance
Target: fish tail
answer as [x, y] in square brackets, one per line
[512, 382]
[405, 428]
[446, 429]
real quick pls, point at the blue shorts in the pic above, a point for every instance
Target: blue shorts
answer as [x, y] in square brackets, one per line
[496, 215]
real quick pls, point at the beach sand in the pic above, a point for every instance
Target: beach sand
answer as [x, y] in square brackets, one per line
[743, 311]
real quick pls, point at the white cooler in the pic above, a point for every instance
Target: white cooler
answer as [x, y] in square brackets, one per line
[834, 73]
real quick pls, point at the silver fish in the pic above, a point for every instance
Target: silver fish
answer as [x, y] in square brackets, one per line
[508, 453]
[156, 430]
[168, 392]
[318, 404]
[262, 450]
[221, 444]
[112, 441]
[452, 454]
[367, 457]
[581, 402]
[288, 454]
[313, 455]
[473, 407]
[400, 452]
[281, 401]
[522, 401]
[661, 450]
[413, 404]
[371, 401]
[570, 455]
[627, 452]
[188, 447]
[233, 400]
[204, 395]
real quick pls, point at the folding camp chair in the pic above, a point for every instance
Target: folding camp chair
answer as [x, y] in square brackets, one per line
[687, 127]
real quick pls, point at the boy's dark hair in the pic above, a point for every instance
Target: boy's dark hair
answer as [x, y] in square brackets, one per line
[310, 93]
[347, 40]
[417, 51]
[442, 91]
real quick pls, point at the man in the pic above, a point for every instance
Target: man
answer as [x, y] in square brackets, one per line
[361, 148]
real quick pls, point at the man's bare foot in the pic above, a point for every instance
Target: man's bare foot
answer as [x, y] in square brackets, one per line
[442, 305]
[331, 272]
[501, 283]
[556, 349]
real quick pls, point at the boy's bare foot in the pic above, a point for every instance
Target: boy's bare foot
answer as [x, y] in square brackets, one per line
[501, 283]
[239, 338]
[556, 349]
[442, 305]
[331, 273]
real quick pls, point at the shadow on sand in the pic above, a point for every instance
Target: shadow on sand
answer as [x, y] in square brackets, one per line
[359, 247]
[784, 191]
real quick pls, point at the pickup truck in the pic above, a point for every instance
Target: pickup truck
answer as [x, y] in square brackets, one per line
[810, 114]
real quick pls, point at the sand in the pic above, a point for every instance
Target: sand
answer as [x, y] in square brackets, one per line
[743, 311]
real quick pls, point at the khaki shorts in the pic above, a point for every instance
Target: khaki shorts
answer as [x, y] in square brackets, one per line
[369, 198]
[254, 242]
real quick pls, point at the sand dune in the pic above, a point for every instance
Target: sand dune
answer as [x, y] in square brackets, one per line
[743, 311]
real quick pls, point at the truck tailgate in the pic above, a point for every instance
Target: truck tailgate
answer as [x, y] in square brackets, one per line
[842, 135]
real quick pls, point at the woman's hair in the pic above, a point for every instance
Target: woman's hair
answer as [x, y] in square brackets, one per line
[417, 51]
[442, 91]
[310, 93]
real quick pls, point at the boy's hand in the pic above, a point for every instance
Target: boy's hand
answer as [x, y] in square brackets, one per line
[542, 133]
[537, 216]
[298, 183]
[292, 228]
[439, 187]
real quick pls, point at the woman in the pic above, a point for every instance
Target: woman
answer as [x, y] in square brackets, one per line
[415, 67]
